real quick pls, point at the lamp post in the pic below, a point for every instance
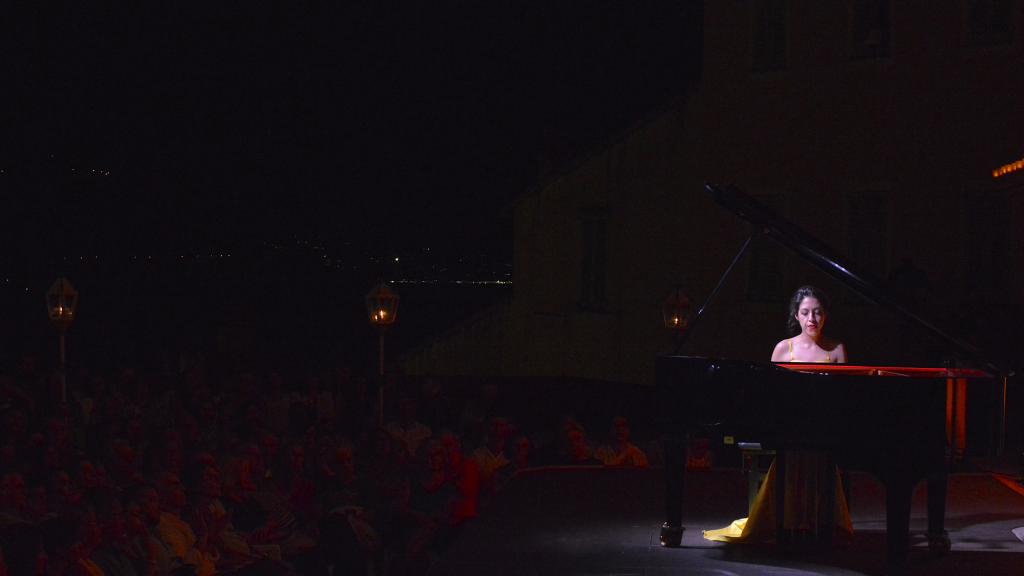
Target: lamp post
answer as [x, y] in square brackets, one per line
[382, 309]
[61, 302]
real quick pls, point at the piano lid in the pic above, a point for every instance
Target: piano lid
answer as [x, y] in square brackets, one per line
[818, 253]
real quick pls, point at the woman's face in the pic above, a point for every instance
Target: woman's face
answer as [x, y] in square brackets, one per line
[811, 316]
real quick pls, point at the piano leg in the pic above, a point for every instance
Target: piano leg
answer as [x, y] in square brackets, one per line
[675, 473]
[938, 538]
[898, 490]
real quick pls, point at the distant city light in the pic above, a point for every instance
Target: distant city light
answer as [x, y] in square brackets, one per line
[468, 282]
[424, 267]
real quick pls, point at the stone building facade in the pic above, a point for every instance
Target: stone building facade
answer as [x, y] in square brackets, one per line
[878, 127]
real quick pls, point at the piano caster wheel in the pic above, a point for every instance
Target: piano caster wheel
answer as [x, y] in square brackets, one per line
[671, 536]
[939, 544]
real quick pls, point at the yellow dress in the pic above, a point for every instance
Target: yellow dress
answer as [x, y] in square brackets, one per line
[804, 479]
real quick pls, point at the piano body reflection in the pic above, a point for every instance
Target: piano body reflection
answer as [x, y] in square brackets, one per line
[890, 421]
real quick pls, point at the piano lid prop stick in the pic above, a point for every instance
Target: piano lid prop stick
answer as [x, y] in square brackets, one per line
[682, 340]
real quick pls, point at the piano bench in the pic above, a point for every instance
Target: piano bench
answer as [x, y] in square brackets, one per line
[755, 461]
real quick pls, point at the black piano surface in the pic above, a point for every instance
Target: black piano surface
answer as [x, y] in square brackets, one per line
[870, 411]
[887, 420]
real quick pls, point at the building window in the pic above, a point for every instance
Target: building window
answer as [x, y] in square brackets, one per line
[766, 277]
[769, 41]
[868, 231]
[989, 22]
[870, 29]
[594, 259]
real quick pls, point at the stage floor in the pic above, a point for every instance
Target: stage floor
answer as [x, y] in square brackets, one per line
[599, 522]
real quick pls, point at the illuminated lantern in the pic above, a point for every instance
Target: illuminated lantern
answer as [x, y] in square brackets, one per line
[382, 308]
[382, 305]
[676, 310]
[61, 302]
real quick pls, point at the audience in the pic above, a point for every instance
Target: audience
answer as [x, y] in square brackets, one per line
[198, 474]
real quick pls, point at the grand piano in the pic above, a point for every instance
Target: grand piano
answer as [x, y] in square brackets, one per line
[890, 421]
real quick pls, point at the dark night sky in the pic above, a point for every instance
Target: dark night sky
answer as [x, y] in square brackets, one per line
[365, 127]
[354, 121]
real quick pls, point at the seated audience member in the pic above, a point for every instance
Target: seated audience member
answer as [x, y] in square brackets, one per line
[573, 448]
[407, 534]
[350, 540]
[444, 498]
[176, 534]
[70, 543]
[384, 456]
[164, 454]
[211, 520]
[291, 480]
[433, 492]
[63, 492]
[491, 457]
[123, 464]
[349, 543]
[407, 429]
[339, 481]
[621, 452]
[113, 553]
[477, 412]
[39, 505]
[246, 553]
[270, 517]
[142, 517]
[465, 476]
[14, 505]
[91, 479]
[521, 458]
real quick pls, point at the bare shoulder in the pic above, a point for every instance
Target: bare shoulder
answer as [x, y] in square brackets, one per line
[839, 352]
[781, 351]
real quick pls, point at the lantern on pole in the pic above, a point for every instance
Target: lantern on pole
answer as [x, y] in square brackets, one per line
[382, 310]
[675, 312]
[61, 303]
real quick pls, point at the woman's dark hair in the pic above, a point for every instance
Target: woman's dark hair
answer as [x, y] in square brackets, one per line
[798, 297]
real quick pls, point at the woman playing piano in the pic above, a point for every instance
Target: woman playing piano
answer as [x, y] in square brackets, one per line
[808, 310]
[805, 471]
